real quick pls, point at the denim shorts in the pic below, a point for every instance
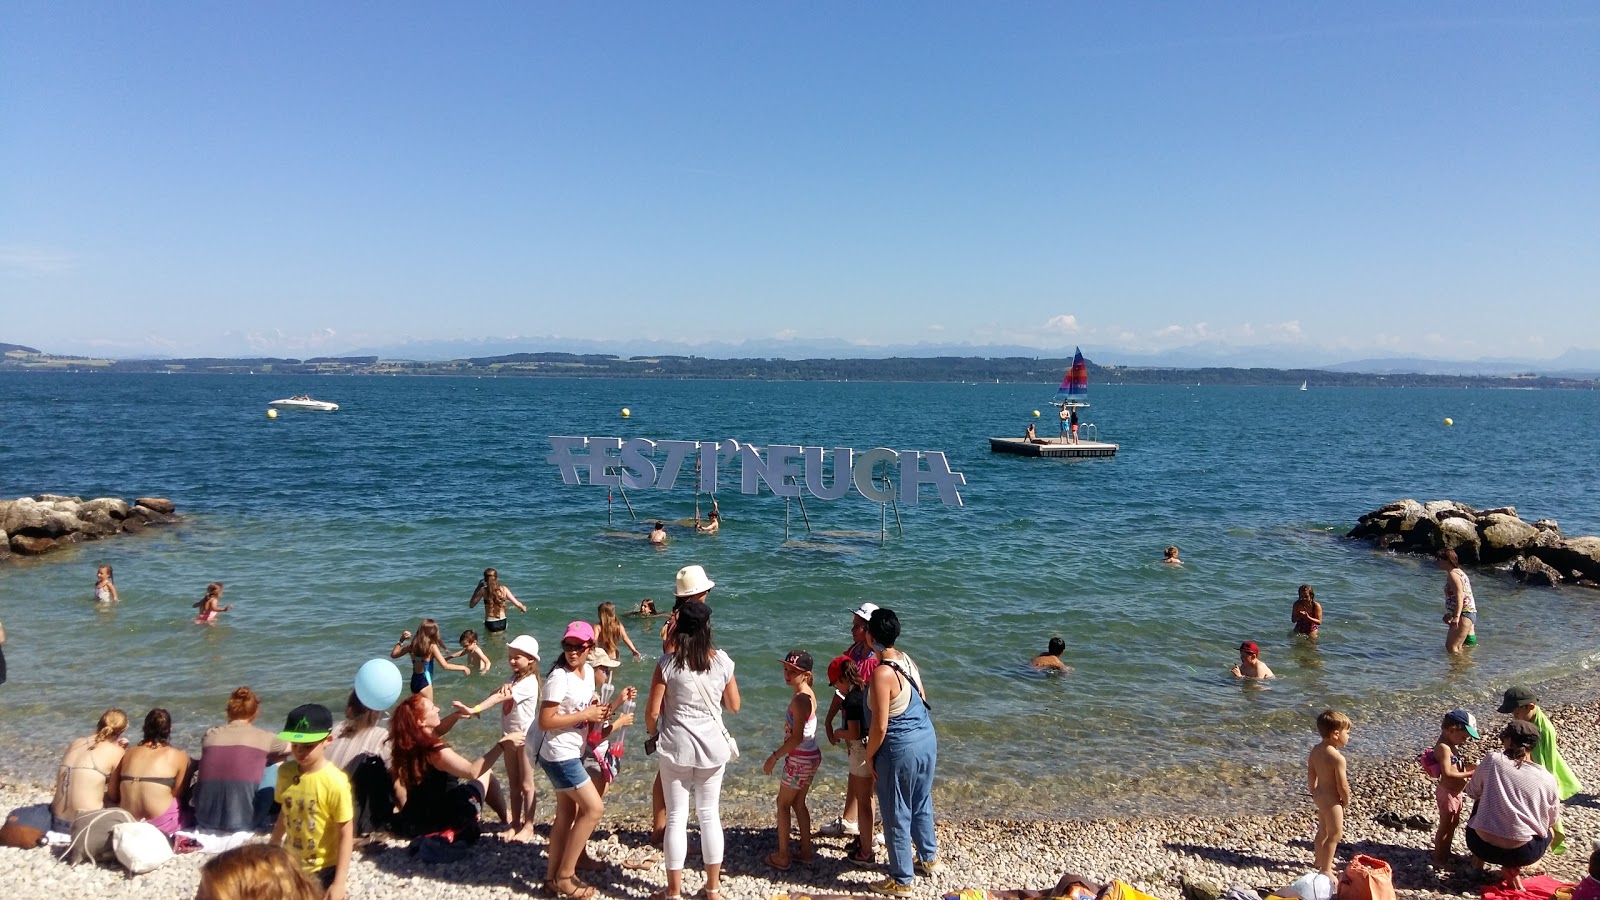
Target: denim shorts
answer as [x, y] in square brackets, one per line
[566, 775]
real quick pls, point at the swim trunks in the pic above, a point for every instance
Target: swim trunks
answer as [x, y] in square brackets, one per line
[495, 626]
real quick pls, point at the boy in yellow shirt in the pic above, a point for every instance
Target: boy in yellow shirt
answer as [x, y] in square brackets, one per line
[316, 824]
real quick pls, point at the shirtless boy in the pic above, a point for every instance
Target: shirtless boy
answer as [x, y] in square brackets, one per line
[1050, 659]
[1330, 790]
[1250, 664]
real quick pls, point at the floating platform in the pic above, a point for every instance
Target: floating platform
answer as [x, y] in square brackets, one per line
[1054, 449]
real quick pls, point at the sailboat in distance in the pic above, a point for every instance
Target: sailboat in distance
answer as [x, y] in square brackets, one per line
[1074, 390]
[1071, 396]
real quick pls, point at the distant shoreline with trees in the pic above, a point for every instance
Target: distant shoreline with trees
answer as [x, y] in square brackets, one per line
[1013, 369]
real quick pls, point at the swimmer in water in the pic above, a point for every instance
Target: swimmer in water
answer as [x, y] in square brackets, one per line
[1250, 664]
[658, 535]
[210, 605]
[1171, 557]
[1307, 612]
[104, 590]
[1050, 659]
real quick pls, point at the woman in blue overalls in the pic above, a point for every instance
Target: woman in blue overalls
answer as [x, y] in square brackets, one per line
[902, 751]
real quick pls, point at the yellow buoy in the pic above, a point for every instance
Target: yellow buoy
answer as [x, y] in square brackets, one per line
[1449, 421]
[626, 412]
[272, 414]
[1036, 414]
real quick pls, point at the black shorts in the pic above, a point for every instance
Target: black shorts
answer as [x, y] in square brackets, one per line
[1518, 858]
[327, 875]
[495, 626]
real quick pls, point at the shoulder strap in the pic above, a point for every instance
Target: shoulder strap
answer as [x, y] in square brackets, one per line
[911, 675]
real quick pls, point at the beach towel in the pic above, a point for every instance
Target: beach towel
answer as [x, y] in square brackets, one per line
[1534, 887]
[1547, 754]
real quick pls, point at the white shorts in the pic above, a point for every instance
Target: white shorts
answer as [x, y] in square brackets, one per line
[857, 751]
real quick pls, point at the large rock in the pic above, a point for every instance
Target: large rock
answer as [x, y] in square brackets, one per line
[1503, 536]
[159, 504]
[57, 498]
[1548, 525]
[1437, 508]
[111, 506]
[24, 513]
[32, 545]
[1531, 570]
[1461, 535]
[98, 523]
[5, 545]
[1580, 555]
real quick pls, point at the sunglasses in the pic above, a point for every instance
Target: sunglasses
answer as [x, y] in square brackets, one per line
[573, 648]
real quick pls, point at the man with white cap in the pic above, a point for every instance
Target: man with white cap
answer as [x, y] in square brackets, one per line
[860, 650]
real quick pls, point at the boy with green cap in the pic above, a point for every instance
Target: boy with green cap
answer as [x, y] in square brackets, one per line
[1523, 705]
[317, 821]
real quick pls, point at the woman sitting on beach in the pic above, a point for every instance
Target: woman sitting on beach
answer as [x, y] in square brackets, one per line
[902, 750]
[426, 648]
[84, 778]
[360, 747]
[233, 757]
[151, 777]
[444, 790]
[1460, 609]
[1515, 805]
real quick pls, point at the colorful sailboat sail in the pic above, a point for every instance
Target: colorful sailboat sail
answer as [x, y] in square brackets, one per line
[1075, 385]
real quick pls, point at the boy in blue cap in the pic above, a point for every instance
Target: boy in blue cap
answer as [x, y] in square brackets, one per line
[317, 821]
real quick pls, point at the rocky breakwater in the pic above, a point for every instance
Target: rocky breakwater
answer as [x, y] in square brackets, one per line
[30, 526]
[1535, 553]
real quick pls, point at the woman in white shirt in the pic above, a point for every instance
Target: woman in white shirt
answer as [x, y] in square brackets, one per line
[565, 712]
[690, 687]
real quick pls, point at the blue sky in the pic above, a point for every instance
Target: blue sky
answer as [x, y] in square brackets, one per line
[1347, 179]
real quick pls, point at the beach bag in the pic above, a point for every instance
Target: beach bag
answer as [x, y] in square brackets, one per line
[1367, 878]
[91, 836]
[372, 792]
[140, 846]
[25, 828]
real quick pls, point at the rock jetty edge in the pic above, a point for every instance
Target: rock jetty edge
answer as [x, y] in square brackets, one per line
[1535, 553]
[31, 526]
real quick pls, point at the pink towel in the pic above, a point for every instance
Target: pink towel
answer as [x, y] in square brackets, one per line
[1534, 887]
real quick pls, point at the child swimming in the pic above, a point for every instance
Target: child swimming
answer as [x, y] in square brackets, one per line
[210, 605]
[469, 647]
[104, 590]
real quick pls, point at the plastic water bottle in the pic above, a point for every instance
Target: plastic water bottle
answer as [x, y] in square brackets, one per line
[617, 734]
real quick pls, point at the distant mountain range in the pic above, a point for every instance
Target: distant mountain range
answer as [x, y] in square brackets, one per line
[1575, 363]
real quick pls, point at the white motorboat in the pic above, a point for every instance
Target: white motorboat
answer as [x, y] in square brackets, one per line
[304, 402]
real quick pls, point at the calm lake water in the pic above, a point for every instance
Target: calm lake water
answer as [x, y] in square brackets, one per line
[335, 532]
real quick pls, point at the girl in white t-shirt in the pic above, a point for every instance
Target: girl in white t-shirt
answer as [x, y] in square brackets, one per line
[518, 700]
[565, 712]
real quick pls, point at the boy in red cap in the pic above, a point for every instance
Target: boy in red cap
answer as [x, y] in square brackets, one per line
[1250, 664]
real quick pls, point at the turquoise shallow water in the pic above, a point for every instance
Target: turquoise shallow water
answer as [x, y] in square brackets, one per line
[334, 532]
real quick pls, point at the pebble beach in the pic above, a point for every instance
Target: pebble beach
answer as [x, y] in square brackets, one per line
[1163, 856]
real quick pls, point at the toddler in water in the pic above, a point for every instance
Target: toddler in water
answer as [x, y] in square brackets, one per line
[469, 647]
[1171, 557]
[104, 590]
[1330, 790]
[210, 605]
[1444, 763]
[803, 759]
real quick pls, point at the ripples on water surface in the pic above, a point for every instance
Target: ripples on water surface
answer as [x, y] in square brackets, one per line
[334, 532]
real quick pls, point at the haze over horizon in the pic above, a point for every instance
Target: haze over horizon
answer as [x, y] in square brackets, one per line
[1321, 183]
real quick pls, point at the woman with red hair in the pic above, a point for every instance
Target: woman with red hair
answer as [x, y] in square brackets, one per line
[444, 790]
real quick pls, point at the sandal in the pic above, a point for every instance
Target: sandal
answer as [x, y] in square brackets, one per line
[861, 860]
[772, 860]
[580, 890]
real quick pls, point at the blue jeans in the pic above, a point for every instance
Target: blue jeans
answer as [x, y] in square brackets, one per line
[904, 765]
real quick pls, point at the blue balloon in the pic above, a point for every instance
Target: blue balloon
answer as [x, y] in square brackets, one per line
[378, 684]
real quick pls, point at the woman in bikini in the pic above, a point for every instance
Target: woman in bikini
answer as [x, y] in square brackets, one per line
[1460, 609]
[151, 777]
[425, 648]
[495, 596]
[86, 769]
